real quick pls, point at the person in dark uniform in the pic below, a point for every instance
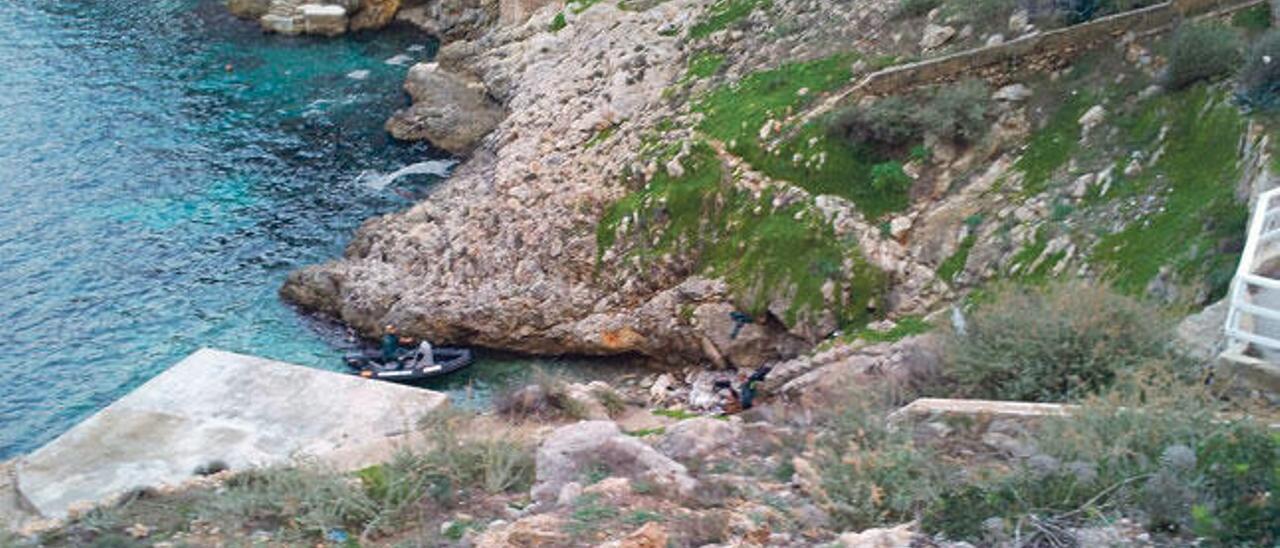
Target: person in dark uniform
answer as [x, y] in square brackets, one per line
[392, 342]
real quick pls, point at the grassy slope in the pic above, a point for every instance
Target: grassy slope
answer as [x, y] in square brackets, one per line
[734, 114]
[1196, 178]
[762, 251]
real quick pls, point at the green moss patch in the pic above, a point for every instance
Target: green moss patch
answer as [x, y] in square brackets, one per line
[1195, 178]
[763, 251]
[734, 114]
[557, 23]
[601, 136]
[722, 14]
[908, 326]
[704, 64]
[954, 264]
[1051, 147]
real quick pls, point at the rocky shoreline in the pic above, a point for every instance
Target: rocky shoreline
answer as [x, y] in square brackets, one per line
[567, 113]
[503, 254]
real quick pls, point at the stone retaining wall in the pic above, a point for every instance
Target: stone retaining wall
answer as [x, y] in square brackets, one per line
[1057, 46]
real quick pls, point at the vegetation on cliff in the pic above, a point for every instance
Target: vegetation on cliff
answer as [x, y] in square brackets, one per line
[767, 250]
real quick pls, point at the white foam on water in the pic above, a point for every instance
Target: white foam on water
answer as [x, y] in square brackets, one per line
[358, 74]
[398, 60]
[379, 181]
[417, 47]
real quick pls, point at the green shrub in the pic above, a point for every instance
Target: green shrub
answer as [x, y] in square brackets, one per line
[1260, 77]
[1152, 449]
[871, 474]
[889, 177]
[467, 458]
[557, 23]
[958, 112]
[612, 402]
[1055, 343]
[916, 8]
[1240, 467]
[984, 11]
[1080, 11]
[888, 123]
[306, 500]
[1201, 51]
[1254, 19]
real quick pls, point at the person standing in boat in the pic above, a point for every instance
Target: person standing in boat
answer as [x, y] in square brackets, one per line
[392, 342]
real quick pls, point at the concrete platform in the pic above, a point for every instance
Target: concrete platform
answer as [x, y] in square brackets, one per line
[219, 407]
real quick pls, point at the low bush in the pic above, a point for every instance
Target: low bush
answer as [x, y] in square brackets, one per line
[984, 11]
[305, 501]
[1158, 455]
[871, 475]
[466, 458]
[888, 123]
[1054, 343]
[1260, 76]
[889, 177]
[1080, 11]
[1201, 51]
[956, 113]
[916, 8]
[557, 23]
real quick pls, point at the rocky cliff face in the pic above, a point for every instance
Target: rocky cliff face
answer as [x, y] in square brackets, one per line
[503, 254]
[637, 179]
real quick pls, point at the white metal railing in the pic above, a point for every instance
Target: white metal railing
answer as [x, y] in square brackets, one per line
[1254, 315]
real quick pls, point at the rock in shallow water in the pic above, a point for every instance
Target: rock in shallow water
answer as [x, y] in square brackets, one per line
[449, 110]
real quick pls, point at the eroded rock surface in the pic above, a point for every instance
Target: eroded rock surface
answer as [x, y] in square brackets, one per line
[570, 453]
[450, 110]
[504, 254]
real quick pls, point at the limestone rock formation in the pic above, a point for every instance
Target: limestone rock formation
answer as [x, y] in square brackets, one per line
[449, 110]
[504, 254]
[694, 439]
[321, 17]
[571, 451]
[249, 9]
[455, 19]
[374, 14]
[327, 20]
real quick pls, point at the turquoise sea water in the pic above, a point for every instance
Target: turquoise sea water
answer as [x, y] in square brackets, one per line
[162, 167]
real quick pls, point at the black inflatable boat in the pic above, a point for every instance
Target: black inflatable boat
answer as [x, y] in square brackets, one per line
[412, 366]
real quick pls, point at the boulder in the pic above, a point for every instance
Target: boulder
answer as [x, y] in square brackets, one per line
[650, 535]
[696, 439]
[449, 110]
[248, 9]
[1012, 93]
[936, 35]
[751, 346]
[570, 452]
[1200, 335]
[1092, 118]
[902, 363]
[516, 12]
[374, 14]
[283, 24]
[323, 19]
[901, 536]
[538, 530]
[1019, 21]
